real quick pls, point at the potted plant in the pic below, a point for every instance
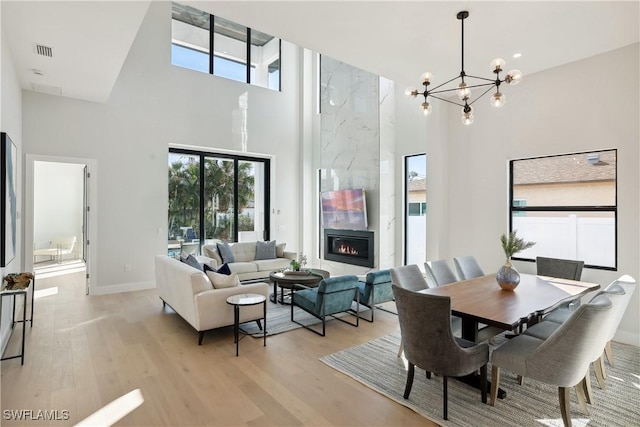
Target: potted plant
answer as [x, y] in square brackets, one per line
[508, 277]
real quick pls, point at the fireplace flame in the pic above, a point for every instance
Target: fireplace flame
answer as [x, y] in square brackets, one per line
[346, 249]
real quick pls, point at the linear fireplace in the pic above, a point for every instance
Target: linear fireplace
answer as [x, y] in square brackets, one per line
[349, 246]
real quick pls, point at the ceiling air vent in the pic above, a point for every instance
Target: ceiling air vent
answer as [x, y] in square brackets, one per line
[51, 90]
[43, 50]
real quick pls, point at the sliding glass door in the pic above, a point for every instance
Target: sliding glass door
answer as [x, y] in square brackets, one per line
[216, 197]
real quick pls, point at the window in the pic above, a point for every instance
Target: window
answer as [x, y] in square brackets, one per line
[415, 221]
[567, 204]
[224, 49]
[224, 195]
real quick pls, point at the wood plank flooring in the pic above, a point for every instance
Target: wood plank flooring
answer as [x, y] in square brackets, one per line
[84, 352]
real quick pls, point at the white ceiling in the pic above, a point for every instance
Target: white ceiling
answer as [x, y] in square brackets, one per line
[398, 40]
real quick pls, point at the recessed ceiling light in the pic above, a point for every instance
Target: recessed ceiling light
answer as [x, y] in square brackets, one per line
[517, 55]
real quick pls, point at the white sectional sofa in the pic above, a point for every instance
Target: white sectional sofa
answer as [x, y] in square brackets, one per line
[189, 292]
[245, 263]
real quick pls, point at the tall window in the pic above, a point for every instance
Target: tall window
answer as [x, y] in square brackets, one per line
[216, 197]
[567, 204]
[415, 209]
[215, 45]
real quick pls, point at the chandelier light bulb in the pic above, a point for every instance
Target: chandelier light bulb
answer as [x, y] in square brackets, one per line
[513, 77]
[497, 65]
[411, 92]
[498, 99]
[426, 77]
[467, 118]
[464, 92]
[426, 108]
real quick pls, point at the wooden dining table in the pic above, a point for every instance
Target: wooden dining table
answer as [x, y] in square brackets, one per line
[481, 300]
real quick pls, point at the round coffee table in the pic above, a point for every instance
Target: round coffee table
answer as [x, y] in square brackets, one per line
[286, 279]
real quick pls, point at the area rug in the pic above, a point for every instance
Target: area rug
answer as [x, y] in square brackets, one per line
[279, 320]
[376, 365]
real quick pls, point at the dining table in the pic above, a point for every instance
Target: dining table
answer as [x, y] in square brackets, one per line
[481, 302]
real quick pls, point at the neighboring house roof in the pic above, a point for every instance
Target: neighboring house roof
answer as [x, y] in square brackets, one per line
[565, 169]
[418, 184]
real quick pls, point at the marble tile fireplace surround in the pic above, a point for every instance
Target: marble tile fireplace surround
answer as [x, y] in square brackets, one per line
[354, 247]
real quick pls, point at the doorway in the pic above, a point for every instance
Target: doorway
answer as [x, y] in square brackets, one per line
[59, 194]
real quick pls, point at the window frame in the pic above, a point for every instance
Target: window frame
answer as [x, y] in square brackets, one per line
[521, 210]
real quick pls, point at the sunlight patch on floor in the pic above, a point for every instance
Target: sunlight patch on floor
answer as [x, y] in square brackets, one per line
[111, 413]
[39, 293]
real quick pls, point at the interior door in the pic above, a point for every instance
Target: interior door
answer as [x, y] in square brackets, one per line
[85, 224]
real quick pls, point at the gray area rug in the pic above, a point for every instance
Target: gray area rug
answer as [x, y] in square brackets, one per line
[376, 365]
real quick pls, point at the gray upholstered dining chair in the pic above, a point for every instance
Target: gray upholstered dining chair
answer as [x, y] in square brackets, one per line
[408, 277]
[439, 273]
[467, 267]
[562, 359]
[430, 345]
[376, 289]
[561, 269]
[332, 296]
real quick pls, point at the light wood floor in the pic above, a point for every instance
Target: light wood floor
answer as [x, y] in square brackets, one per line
[83, 352]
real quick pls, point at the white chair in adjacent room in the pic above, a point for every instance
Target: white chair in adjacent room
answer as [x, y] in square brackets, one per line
[58, 247]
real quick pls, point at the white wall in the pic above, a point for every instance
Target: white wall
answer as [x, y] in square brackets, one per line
[154, 104]
[11, 123]
[58, 202]
[573, 108]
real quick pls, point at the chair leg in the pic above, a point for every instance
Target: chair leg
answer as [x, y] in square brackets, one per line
[259, 324]
[608, 352]
[565, 405]
[410, 372]
[200, 337]
[588, 393]
[495, 381]
[582, 399]
[428, 375]
[483, 383]
[598, 366]
[445, 398]
[520, 380]
[400, 349]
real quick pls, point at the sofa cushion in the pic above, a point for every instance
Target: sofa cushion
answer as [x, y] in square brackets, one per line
[192, 261]
[244, 251]
[211, 251]
[226, 253]
[280, 250]
[271, 264]
[243, 267]
[220, 281]
[224, 269]
[265, 250]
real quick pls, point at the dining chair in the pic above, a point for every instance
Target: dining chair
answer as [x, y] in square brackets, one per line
[376, 289]
[429, 342]
[467, 267]
[561, 269]
[560, 360]
[408, 277]
[439, 273]
[332, 296]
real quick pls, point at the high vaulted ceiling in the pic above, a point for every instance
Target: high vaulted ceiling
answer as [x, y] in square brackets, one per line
[398, 40]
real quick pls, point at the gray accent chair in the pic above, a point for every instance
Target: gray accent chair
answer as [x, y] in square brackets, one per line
[332, 296]
[563, 358]
[467, 267]
[376, 289]
[430, 345]
[439, 273]
[560, 268]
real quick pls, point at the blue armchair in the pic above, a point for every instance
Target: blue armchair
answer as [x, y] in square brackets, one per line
[333, 295]
[376, 289]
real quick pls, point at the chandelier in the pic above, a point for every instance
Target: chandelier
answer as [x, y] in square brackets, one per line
[463, 89]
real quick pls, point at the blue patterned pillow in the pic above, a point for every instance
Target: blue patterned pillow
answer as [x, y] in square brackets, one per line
[266, 250]
[192, 261]
[225, 252]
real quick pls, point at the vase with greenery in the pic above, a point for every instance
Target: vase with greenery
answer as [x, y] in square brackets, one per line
[508, 277]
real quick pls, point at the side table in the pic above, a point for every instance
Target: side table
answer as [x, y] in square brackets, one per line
[14, 293]
[244, 300]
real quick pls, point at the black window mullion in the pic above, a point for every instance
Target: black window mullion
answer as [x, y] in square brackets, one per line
[201, 222]
[248, 55]
[236, 201]
[211, 48]
[280, 59]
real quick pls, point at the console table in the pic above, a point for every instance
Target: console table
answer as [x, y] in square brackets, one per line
[14, 293]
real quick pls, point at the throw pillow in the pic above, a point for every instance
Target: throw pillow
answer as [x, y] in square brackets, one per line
[207, 267]
[220, 281]
[266, 250]
[225, 252]
[280, 250]
[212, 252]
[224, 269]
[192, 261]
